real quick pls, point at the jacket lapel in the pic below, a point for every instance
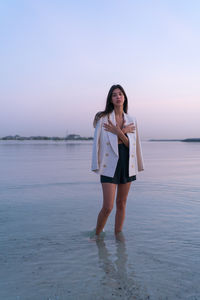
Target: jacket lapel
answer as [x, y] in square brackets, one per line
[112, 137]
[126, 119]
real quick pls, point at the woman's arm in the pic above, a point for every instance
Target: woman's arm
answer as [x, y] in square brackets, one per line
[123, 138]
[116, 130]
[130, 128]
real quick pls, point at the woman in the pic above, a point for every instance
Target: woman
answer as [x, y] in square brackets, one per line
[116, 155]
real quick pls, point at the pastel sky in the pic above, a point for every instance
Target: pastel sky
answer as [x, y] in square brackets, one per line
[59, 58]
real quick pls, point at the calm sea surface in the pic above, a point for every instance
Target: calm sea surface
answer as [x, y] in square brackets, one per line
[49, 201]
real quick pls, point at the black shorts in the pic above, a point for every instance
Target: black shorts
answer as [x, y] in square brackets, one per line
[121, 172]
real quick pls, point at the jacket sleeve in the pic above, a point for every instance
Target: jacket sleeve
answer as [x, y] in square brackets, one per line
[139, 150]
[95, 148]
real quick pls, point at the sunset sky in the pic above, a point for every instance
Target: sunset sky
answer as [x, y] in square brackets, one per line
[59, 58]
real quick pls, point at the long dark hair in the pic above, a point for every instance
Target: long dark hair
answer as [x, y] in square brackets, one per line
[109, 105]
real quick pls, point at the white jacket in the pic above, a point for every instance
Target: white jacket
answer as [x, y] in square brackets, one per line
[105, 148]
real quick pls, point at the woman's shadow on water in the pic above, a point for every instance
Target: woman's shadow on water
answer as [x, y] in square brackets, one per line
[116, 281]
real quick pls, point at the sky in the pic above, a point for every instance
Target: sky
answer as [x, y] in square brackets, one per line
[59, 59]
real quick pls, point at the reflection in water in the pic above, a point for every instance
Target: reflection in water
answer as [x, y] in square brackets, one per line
[116, 281]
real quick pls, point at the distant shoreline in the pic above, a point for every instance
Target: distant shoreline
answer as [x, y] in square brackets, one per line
[188, 140]
[76, 137]
[70, 137]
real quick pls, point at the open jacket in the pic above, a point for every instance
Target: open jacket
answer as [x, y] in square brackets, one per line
[105, 148]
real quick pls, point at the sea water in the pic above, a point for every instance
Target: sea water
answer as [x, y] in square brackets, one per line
[49, 202]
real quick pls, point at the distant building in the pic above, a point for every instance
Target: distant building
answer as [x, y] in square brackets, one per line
[73, 137]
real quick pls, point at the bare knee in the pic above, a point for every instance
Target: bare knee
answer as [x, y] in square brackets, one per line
[107, 210]
[121, 204]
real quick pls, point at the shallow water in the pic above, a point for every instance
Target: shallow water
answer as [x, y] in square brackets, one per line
[49, 204]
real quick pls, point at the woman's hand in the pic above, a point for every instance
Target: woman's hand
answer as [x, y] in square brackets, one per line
[112, 128]
[130, 128]
[116, 130]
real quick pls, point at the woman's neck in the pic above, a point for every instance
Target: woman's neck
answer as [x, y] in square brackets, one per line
[118, 111]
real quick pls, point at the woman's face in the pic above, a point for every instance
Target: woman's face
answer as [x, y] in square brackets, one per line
[117, 97]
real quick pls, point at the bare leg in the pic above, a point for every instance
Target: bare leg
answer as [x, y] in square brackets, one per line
[108, 200]
[122, 194]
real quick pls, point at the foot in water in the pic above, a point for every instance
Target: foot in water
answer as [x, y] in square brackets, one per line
[119, 236]
[94, 236]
